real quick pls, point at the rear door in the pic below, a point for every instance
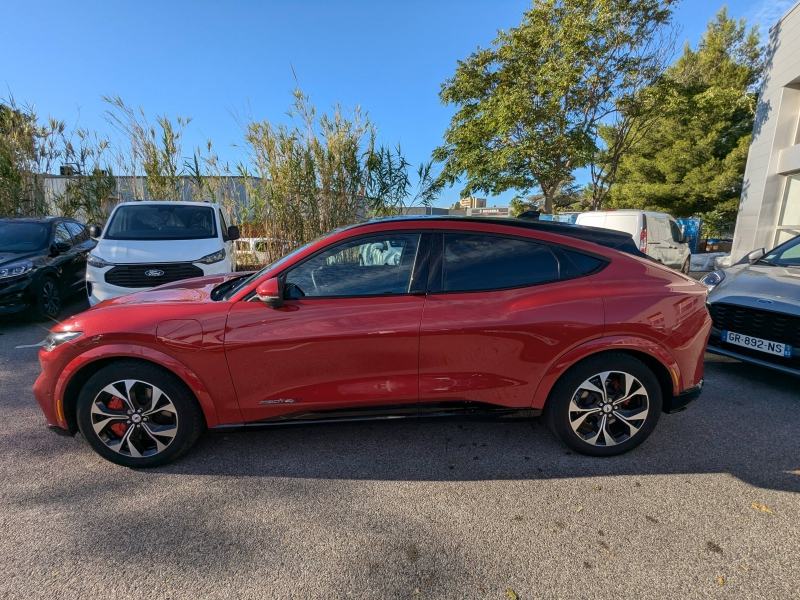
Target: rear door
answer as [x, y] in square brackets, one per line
[500, 309]
[346, 338]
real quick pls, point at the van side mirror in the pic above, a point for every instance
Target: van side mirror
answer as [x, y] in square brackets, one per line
[270, 292]
[95, 231]
[232, 234]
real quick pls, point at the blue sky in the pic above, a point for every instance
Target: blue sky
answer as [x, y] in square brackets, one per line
[208, 59]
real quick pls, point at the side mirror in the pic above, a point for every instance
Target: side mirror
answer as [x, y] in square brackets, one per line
[756, 254]
[232, 234]
[270, 293]
[58, 248]
[95, 231]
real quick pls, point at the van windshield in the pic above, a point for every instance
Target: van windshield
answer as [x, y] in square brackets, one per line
[171, 221]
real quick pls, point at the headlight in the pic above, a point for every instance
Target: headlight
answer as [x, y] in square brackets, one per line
[712, 280]
[210, 259]
[16, 269]
[97, 262]
[56, 338]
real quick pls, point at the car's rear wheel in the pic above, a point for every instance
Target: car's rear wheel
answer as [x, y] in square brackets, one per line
[686, 266]
[605, 405]
[47, 304]
[138, 415]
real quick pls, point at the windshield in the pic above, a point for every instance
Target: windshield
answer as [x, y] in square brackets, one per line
[785, 255]
[172, 221]
[19, 236]
[242, 283]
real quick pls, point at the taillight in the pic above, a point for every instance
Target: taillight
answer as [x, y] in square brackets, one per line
[643, 241]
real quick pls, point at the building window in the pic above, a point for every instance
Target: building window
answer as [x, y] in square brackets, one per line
[789, 221]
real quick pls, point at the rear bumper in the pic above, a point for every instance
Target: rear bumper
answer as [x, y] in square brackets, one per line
[683, 400]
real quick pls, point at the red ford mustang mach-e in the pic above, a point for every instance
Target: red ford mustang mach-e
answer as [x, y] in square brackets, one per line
[398, 317]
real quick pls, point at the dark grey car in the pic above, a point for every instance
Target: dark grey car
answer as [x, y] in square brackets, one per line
[755, 306]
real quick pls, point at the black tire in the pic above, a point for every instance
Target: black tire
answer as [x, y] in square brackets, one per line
[610, 426]
[48, 299]
[154, 438]
[686, 266]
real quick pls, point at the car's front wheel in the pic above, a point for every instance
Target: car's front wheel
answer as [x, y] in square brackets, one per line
[605, 405]
[687, 264]
[47, 303]
[138, 415]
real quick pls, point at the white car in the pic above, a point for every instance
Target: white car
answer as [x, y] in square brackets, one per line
[146, 244]
[657, 234]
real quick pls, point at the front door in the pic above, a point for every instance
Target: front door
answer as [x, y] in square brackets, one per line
[500, 310]
[347, 336]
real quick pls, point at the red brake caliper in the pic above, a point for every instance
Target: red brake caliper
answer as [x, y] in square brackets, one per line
[118, 428]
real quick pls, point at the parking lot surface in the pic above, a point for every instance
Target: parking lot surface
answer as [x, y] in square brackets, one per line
[707, 507]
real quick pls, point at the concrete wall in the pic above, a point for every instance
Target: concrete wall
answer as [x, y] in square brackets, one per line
[774, 150]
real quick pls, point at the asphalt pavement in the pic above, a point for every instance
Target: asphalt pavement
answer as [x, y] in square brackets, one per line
[708, 507]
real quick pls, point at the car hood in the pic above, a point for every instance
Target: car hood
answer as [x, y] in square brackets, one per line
[197, 289]
[154, 251]
[760, 286]
[13, 257]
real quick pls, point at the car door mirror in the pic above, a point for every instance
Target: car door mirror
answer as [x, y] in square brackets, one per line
[232, 234]
[95, 231]
[58, 248]
[270, 292]
[756, 255]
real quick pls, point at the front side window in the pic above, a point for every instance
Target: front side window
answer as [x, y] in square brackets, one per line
[62, 235]
[173, 221]
[474, 263]
[78, 232]
[675, 231]
[374, 266]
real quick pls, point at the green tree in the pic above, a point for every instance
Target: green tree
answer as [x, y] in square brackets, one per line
[528, 107]
[691, 161]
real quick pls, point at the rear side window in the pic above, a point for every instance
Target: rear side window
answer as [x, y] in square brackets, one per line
[476, 262]
[584, 263]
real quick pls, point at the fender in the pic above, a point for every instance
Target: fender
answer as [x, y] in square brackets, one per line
[132, 351]
[604, 344]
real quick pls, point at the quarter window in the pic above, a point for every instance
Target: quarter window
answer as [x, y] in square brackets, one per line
[475, 262]
[374, 266]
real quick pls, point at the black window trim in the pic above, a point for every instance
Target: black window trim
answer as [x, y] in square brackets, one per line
[436, 275]
[415, 269]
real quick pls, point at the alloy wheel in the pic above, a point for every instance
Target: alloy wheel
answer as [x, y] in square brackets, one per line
[608, 408]
[51, 299]
[134, 418]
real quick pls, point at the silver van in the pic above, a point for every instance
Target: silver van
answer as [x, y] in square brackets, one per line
[657, 234]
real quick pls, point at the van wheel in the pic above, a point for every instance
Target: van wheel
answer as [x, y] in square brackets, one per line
[138, 415]
[686, 265]
[605, 405]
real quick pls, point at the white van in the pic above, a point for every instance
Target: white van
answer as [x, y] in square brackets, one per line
[145, 244]
[657, 234]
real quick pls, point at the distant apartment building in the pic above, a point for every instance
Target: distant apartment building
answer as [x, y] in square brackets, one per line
[769, 210]
[472, 202]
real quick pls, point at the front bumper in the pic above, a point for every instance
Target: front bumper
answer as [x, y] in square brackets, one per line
[683, 400]
[14, 294]
[752, 360]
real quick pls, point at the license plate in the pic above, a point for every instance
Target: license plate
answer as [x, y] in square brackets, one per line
[755, 343]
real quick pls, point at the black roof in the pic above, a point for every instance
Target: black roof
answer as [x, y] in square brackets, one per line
[603, 237]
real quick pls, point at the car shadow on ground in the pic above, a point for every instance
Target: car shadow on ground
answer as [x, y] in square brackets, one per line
[72, 306]
[743, 424]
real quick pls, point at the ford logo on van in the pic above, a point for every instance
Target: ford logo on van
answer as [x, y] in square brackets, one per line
[154, 273]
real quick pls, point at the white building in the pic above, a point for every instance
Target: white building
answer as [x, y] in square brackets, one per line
[769, 212]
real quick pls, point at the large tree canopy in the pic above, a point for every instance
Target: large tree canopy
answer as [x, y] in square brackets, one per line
[528, 108]
[692, 160]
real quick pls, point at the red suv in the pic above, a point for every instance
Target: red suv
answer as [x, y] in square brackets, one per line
[412, 317]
